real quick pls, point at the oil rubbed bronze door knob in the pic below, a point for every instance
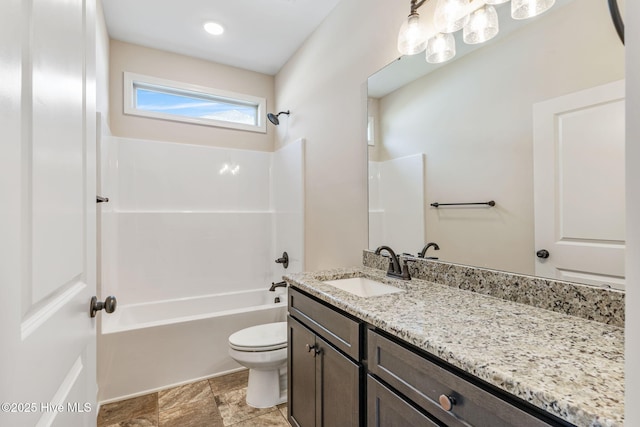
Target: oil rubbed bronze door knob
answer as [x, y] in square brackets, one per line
[109, 305]
[542, 253]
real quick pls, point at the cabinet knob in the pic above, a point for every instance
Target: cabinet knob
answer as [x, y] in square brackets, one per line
[312, 348]
[446, 402]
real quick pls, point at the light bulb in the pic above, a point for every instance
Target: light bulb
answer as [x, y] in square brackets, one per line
[523, 9]
[213, 28]
[441, 48]
[450, 15]
[482, 26]
[412, 37]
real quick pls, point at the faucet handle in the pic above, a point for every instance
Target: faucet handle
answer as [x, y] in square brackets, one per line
[284, 260]
[405, 271]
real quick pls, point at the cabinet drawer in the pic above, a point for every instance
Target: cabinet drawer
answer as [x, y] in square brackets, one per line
[387, 409]
[424, 382]
[340, 330]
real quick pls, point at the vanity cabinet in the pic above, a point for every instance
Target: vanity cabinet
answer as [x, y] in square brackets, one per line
[344, 373]
[324, 370]
[404, 388]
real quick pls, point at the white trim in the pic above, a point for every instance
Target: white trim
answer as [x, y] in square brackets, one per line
[130, 107]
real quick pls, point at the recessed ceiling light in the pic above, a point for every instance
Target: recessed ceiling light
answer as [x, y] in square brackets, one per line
[213, 28]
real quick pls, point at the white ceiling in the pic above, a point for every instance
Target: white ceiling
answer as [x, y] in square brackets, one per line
[260, 35]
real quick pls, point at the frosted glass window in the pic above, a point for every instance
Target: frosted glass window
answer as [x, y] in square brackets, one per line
[162, 99]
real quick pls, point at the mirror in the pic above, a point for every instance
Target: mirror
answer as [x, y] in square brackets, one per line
[617, 16]
[463, 132]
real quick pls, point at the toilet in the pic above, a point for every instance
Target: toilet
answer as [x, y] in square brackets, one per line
[263, 349]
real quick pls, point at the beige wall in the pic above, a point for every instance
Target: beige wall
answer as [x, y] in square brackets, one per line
[473, 120]
[324, 86]
[157, 63]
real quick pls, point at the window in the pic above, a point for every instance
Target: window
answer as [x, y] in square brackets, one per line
[371, 125]
[164, 99]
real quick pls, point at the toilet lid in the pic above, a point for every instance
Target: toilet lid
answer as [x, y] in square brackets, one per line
[270, 336]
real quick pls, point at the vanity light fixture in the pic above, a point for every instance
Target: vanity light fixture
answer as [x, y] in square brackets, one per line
[477, 18]
[482, 26]
[412, 38]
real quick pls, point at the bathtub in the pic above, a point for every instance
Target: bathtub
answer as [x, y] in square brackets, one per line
[148, 347]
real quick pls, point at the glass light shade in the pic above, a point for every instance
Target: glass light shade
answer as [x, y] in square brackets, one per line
[523, 9]
[441, 48]
[412, 37]
[450, 15]
[495, 1]
[482, 26]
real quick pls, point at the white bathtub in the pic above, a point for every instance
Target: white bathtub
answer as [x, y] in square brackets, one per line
[153, 346]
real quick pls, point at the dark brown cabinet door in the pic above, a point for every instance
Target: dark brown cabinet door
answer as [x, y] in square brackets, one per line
[301, 373]
[387, 409]
[339, 381]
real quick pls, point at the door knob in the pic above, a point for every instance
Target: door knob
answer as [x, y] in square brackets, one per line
[542, 253]
[109, 305]
[100, 199]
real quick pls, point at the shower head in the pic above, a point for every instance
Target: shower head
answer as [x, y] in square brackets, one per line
[273, 118]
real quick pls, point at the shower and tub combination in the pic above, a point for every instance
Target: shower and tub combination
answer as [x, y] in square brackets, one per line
[189, 238]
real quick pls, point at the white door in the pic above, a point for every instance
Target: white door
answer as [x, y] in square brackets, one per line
[579, 186]
[47, 212]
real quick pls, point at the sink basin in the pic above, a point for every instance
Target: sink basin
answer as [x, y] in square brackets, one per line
[363, 287]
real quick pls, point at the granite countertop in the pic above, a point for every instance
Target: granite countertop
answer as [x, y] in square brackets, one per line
[568, 366]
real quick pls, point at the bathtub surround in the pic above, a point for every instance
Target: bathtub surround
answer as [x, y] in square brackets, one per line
[565, 365]
[573, 299]
[188, 230]
[187, 220]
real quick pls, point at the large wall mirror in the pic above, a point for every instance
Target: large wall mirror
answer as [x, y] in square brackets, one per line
[533, 120]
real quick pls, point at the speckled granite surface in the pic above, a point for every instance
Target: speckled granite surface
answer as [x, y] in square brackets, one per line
[588, 302]
[566, 365]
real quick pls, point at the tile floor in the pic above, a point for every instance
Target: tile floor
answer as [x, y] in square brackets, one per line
[217, 402]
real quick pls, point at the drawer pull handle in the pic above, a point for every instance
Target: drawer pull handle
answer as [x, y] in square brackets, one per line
[446, 402]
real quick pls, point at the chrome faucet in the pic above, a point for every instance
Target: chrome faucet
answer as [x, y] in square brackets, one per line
[423, 252]
[394, 264]
[277, 285]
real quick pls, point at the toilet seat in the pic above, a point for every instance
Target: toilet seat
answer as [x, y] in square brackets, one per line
[267, 337]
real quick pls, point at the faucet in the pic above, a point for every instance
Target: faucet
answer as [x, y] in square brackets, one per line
[394, 264]
[277, 285]
[422, 253]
